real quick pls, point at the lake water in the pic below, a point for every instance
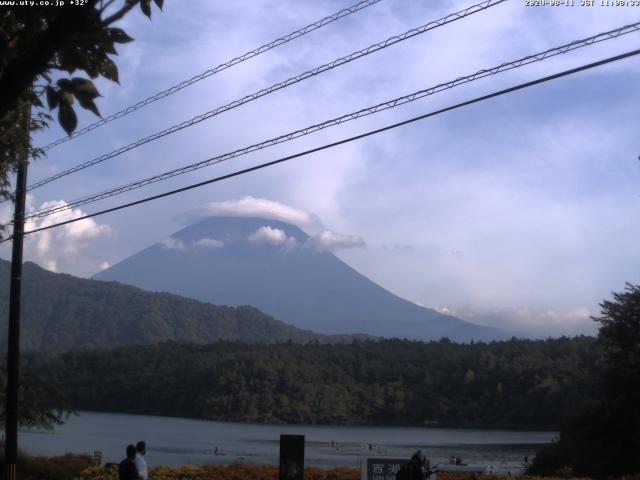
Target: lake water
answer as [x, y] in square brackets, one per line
[176, 441]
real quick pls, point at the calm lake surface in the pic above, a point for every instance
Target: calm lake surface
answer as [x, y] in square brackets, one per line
[176, 441]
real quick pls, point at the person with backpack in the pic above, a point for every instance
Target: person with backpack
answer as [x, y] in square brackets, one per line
[418, 468]
[127, 468]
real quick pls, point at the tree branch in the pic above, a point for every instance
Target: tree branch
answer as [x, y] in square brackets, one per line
[120, 13]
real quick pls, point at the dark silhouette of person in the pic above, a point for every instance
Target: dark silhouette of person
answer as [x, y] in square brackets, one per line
[127, 468]
[418, 468]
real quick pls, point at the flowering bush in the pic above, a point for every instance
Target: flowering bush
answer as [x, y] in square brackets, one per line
[238, 471]
[447, 475]
[64, 467]
[222, 472]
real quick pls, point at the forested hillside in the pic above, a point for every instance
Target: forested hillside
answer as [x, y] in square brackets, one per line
[518, 383]
[61, 312]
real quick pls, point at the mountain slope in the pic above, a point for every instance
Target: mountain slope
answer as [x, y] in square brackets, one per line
[61, 312]
[273, 266]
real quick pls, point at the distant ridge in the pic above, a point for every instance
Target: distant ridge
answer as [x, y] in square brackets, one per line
[222, 261]
[62, 312]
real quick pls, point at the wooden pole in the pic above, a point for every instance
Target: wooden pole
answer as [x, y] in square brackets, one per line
[13, 347]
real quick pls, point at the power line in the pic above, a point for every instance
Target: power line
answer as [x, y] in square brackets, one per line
[342, 119]
[223, 66]
[341, 142]
[278, 86]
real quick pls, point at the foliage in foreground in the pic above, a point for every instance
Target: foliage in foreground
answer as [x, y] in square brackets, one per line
[222, 472]
[263, 472]
[603, 440]
[80, 467]
[35, 398]
[37, 44]
[64, 467]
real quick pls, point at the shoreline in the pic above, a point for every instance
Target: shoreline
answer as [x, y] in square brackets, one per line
[435, 425]
[179, 441]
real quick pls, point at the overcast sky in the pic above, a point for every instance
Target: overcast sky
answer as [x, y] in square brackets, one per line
[522, 211]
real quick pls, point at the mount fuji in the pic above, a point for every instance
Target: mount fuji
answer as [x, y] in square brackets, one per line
[277, 268]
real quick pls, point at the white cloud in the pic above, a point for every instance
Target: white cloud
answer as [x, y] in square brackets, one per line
[59, 248]
[5, 212]
[103, 266]
[273, 236]
[251, 207]
[208, 243]
[498, 219]
[332, 241]
[171, 243]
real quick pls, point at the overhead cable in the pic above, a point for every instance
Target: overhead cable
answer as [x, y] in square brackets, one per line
[340, 142]
[342, 119]
[223, 66]
[278, 86]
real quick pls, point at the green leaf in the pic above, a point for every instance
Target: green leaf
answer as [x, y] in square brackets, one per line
[118, 35]
[67, 118]
[93, 68]
[65, 84]
[109, 70]
[88, 103]
[67, 97]
[145, 6]
[107, 46]
[52, 97]
[84, 87]
[159, 3]
[69, 58]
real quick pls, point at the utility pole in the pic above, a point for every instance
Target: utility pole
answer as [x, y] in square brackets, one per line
[13, 347]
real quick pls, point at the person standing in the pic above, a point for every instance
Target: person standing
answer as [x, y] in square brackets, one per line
[141, 463]
[127, 468]
[418, 468]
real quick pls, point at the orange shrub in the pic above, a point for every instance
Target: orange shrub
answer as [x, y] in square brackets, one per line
[65, 467]
[235, 471]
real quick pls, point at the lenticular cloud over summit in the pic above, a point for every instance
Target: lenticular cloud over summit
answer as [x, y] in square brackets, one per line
[251, 207]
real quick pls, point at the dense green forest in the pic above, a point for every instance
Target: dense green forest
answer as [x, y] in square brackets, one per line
[518, 383]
